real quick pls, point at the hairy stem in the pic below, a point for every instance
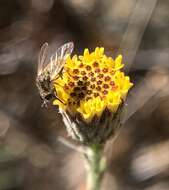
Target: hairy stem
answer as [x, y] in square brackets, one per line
[96, 165]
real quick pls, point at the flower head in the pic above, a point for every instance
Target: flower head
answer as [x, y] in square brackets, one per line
[91, 85]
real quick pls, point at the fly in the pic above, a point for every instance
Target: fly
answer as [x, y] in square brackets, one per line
[50, 67]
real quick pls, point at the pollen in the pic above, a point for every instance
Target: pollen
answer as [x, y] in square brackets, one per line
[91, 83]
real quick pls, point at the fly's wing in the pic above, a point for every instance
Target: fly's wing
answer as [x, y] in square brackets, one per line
[42, 60]
[57, 60]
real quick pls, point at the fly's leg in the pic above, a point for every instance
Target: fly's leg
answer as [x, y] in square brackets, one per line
[55, 95]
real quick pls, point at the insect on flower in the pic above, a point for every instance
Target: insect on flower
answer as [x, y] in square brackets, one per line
[50, 67]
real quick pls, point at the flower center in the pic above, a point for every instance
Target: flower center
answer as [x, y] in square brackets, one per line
[87, 82]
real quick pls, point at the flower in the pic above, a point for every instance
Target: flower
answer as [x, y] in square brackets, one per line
[91, 91]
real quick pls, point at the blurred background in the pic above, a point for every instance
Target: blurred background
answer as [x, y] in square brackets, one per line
[31, 157]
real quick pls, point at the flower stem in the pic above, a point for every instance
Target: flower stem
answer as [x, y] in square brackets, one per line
[96, 165]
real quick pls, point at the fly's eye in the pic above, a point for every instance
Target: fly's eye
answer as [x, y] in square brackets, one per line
[49, 96]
